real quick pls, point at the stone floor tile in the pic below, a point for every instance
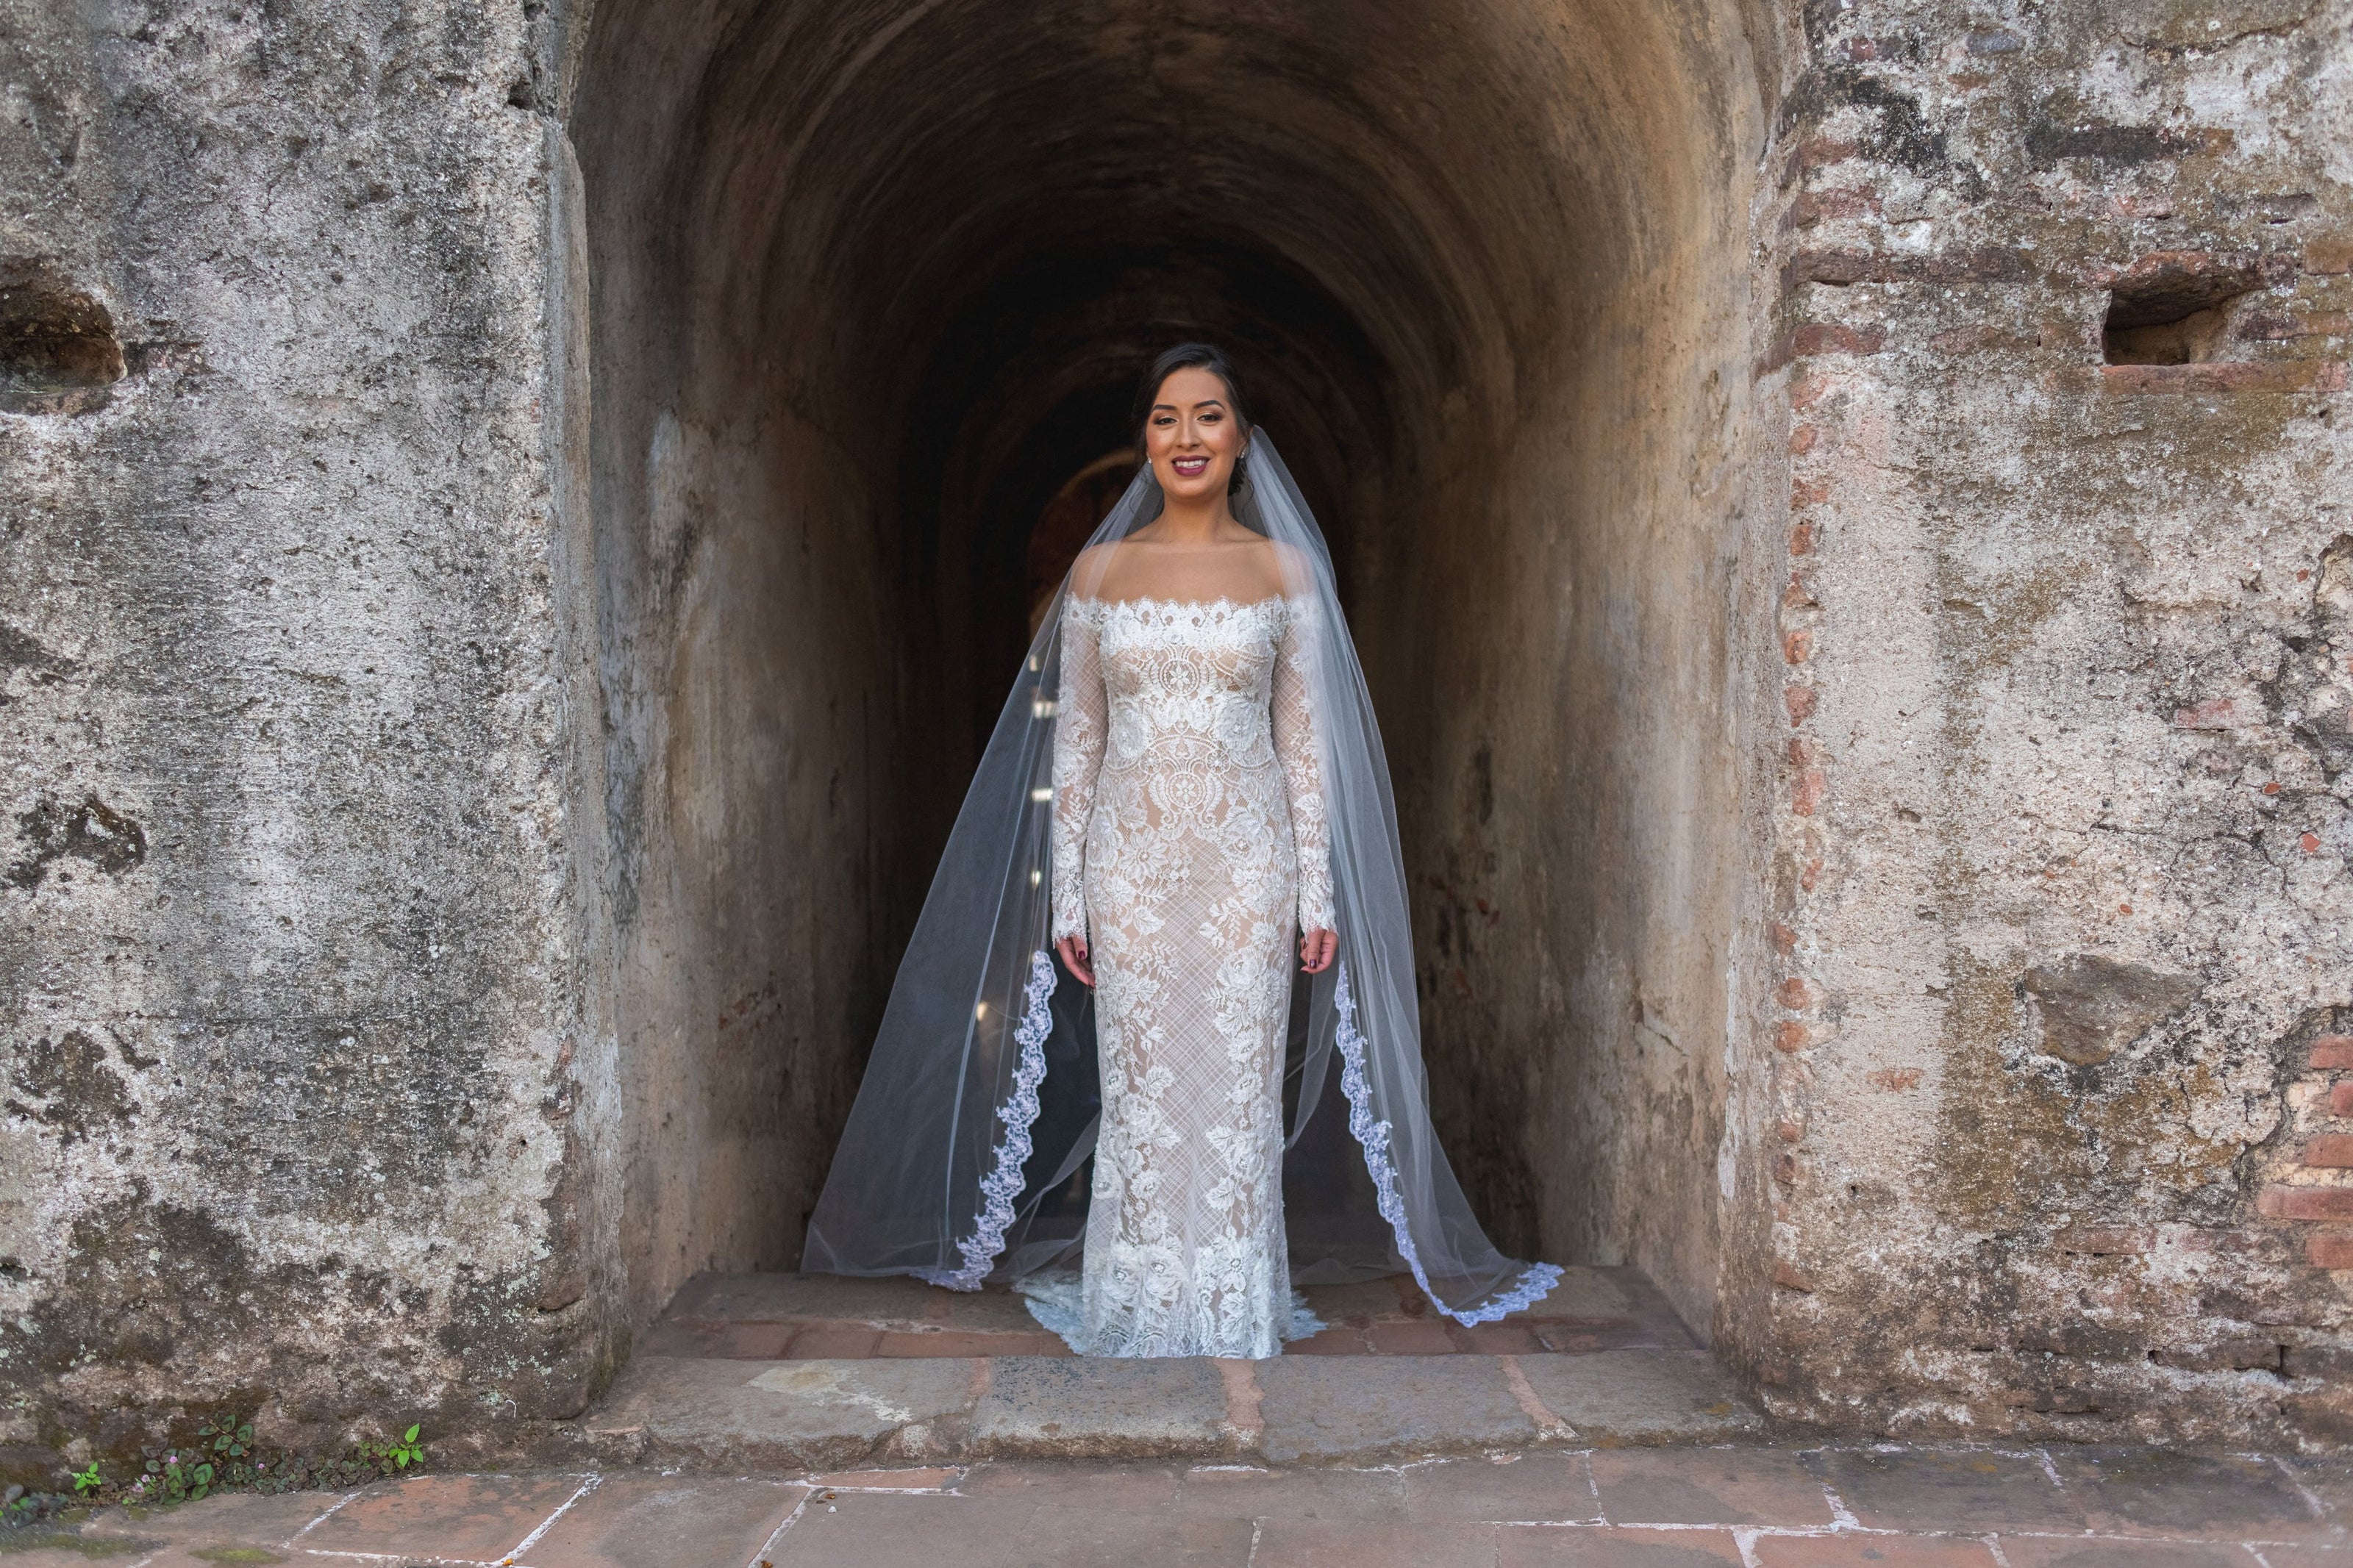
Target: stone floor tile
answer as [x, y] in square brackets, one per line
[1954, 1488]
[1606, 1546]
[1140, 1485]
[2162, 1492]
[833, 1342]
[1343, 1543]
[1853, 1548]
[921, 1478]
[38, 1547]
[647, 1520]
[968, 1343]
[1408, 1337]
[1324, 1408]
[1341, 1338]
[2107, 1551]
[224, 1518]
[478, 1517]
[1544, 1489]
[2302, 1554]
[1497, 1339]
[2330, 1480]
[1356, 1496]
[876, 1531]
[1708, 1486]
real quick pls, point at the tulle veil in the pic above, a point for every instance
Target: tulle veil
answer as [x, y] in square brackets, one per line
[977, 1112]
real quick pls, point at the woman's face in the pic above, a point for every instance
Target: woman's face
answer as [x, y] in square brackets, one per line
[1191, 435]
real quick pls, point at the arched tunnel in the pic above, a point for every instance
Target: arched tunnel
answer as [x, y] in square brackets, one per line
[868, 286]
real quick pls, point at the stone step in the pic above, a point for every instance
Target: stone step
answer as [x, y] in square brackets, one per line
[735, 1376]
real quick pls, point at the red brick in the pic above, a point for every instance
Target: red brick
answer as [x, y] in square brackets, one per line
[2223, 377]
[2333, 1051]
[1788, 1277]
[1802, 439]
[1807, 793]
[2330, 1248]
[1794, 994]
[2304, 1203]
[1785, 940]
[2331, 1151]
[1798, 646]
[2214, 713]
[1791, 1036]
[1800, 701]
[1894, 1079]
[1801, 537]
[2340, 1099]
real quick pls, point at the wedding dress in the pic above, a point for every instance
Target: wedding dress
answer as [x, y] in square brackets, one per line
[1188, 832]
[1191, 784]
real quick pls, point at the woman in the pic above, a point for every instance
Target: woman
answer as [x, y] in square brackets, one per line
[1186, 772]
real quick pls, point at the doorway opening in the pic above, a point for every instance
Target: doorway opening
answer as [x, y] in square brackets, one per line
[868, 290]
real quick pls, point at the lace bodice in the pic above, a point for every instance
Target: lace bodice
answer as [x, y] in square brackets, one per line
[1182, 694]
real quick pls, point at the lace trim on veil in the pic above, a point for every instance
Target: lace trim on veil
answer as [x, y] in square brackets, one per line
[1019, 1113]
[1534, 1285]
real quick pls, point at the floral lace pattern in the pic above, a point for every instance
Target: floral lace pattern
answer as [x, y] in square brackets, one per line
[998, 1189]
[1188, 836]
[1373, 1136]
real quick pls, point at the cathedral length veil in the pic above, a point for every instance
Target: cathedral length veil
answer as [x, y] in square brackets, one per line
[949, 1161]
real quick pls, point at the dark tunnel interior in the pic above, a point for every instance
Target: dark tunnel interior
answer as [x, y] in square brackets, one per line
[868, 289]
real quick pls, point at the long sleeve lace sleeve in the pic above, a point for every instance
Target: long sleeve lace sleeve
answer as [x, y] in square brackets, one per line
[1295, 746]
[1079, 724]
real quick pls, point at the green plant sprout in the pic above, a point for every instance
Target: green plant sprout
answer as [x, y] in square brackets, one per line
[88, 1480]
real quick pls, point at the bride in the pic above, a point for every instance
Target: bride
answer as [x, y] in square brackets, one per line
[1186, 775]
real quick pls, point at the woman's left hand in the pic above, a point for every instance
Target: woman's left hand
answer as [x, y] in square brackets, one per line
[1317, 949]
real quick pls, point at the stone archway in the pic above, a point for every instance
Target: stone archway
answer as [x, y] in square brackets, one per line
[869, 285]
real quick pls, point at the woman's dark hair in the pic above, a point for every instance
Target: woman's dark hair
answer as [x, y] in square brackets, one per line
[1194, 356]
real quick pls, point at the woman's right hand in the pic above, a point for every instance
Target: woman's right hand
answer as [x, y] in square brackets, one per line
[1073, 950]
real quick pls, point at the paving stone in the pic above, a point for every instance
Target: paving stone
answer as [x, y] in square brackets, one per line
[1640, 1396]
[1608, 1546]
[478, 1517]
[1363, 1496]
[2075, 1552]
[645, 1521]
[1530, 1488]
[1708, 1486]
[39, 1548]
[919, 1478]
[1326, 1543]
[1968, 1489]
[1855, 1549]
[2329, 1480]
[1062, 1485]
[733, 1415]
[930, 1342]
[2160, 1491]
[1331, 1408]
[2309, 1554]
[224, 1518]
[874, 1531]
[1090, 1408]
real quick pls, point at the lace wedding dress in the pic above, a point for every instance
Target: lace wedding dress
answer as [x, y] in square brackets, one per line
[1189, 849]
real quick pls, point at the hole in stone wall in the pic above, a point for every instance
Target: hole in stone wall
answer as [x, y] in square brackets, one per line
[57, 349]
[2172, 308]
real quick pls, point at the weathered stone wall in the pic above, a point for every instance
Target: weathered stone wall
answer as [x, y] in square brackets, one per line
[2059, 879]
[300, 984]
[512, 515]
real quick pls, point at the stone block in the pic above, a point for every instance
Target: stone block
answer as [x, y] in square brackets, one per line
[1328, 1408]
[1641, 1397]
[1709, 1485]
[634, 1520]
[1082, 1408]
[1952, 1489]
